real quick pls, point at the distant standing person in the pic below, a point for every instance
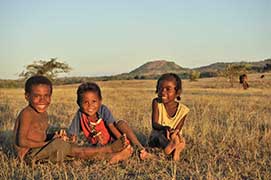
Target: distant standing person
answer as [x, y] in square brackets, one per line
[168, 116]
[32, 142]
[243, 80]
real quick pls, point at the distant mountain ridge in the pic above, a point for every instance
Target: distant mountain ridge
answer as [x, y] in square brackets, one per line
[154, 69]
[222, 65]
[157, 67]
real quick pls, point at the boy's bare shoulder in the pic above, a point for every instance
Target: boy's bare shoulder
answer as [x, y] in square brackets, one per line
[27, 111]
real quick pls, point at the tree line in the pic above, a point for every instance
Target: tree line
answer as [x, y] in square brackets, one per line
[53, 67]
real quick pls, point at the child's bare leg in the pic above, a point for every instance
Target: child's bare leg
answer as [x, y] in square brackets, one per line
[21, 154]
[170, 147]
[172, 144]
[122, 155]
[94, 152]
[125, 129]
[89, 152]
[119, 144]
[179, 148]
[145, 155]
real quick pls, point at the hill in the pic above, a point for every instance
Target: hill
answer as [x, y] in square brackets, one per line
[154, 69]
[212, 69]
[157, 67]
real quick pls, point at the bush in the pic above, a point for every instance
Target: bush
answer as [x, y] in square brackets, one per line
[194, 75]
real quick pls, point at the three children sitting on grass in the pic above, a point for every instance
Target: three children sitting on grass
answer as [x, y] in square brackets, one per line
[111, 139]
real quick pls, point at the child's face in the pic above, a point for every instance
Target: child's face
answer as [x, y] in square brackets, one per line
[167, 91]
[39, 97]
[90, 103]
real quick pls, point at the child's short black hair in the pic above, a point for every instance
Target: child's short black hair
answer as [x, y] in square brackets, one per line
[36, 80]
[88, 86]
[170, 76]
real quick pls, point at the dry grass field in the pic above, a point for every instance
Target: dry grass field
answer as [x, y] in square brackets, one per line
[228, 131]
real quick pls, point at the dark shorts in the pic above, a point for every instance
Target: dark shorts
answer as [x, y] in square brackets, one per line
[56, 150]
[158, 139]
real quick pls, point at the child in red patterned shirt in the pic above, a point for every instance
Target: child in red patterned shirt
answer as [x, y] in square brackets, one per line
[97, 122]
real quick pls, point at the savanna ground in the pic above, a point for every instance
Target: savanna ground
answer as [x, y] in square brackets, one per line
[228, 131]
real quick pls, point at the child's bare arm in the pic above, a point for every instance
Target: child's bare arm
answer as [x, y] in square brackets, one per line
[180, 124]
[155, 116]
[114, 130]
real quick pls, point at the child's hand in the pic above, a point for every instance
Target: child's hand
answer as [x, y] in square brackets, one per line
[174, 133]
[73, 139]
[168, 132]
[62, 135]
[100, 138]
[171, 131]
[126, 140]
[56, 135]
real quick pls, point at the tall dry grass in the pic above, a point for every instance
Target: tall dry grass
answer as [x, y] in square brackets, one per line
[228, 132]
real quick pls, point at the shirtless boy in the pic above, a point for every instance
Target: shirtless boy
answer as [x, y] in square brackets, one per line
[32, 142]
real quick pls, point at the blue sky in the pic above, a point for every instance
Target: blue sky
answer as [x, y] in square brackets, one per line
[111, 37]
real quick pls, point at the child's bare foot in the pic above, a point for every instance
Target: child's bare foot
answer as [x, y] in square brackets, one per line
[175, 140]
[119, 144]
[179, 148]
[121, 156]
[145, 155]
[176, 155]
[170, 147]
